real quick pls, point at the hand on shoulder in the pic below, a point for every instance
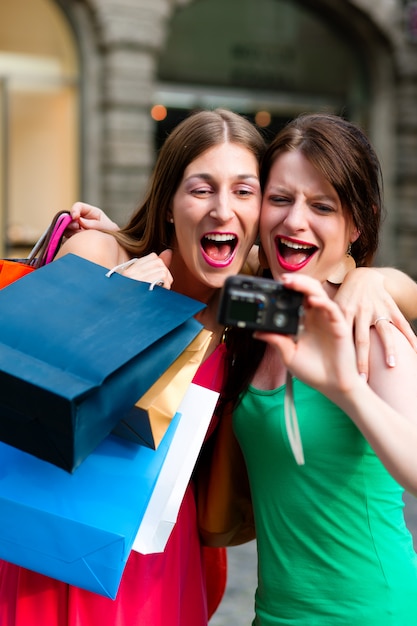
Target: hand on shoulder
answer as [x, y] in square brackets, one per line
[86, 217]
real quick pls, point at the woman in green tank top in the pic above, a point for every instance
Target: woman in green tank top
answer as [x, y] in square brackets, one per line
[333, 547]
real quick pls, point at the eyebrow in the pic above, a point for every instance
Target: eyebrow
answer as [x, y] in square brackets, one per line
[322, 197]
[205, 176]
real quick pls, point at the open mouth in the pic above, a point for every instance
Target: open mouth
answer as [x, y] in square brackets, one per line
[293, 254]
[218, 248]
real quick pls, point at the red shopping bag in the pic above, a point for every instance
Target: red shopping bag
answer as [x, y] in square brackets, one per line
[42, 253]
[12, 270]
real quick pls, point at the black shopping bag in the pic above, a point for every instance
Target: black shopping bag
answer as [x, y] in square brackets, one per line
[77, 349]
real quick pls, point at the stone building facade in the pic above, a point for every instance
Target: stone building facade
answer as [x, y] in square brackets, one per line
[357, 57]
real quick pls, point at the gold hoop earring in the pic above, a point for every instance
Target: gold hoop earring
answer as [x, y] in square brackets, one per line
[347, 264]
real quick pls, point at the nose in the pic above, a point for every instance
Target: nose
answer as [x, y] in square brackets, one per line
[296, 217]
[222, 209]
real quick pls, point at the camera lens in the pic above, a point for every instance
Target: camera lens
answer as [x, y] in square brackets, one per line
[280, 320]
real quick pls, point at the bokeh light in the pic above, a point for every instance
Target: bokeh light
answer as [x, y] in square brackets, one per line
[158, 112]
[263, 119]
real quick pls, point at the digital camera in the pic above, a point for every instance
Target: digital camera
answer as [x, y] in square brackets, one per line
[260, 304]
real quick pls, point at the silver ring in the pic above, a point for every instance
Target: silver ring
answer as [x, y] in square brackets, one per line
[380, 319]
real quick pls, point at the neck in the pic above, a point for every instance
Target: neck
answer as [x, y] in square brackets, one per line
[188, 287]
[186, 283]
[271, 374]
[208, 318]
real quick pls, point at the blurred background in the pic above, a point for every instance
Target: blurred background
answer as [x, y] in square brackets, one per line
[90, 88]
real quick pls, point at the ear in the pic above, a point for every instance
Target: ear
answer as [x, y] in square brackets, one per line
[354, 235]
[170, 217]
[263, 262]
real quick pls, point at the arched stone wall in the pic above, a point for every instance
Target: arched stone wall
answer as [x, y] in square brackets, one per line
[394, 130]
[119, 45]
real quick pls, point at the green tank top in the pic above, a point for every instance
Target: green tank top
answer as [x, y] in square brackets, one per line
[333, 548]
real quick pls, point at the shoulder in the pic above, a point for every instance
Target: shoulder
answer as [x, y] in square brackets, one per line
[96, 246]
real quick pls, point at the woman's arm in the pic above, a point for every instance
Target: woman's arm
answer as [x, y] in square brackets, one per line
[385, 411]
[402, 288]
[103, 249]
[371, 293]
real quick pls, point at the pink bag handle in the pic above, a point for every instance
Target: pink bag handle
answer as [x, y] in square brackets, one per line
[56, 237]
[49, 243]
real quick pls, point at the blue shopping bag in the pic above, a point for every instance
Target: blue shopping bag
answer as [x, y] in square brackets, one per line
[78, 528]
[77, 349]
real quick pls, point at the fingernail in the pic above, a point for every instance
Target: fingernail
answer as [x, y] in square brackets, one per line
[363, 375]
[391, 360]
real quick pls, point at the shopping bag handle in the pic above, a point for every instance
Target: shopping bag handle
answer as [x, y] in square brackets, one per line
[121, 266]
[126, 264]
[47, 246]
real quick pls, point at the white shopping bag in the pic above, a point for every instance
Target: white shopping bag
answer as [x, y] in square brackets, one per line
[196, 410]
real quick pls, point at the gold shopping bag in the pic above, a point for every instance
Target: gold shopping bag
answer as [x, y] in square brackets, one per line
[160, 403]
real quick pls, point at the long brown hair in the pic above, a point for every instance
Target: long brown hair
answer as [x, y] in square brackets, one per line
[342, 153]
[149, 229]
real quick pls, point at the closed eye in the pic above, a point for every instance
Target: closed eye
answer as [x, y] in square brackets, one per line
[202, 192]
[324, 208]
[245, 192]
[279, 200]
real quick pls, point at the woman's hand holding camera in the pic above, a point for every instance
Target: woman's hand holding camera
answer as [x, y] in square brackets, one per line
[323, 354]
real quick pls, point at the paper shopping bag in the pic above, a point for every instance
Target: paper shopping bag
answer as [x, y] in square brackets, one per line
[42, 253]
[11, 270]
[77, 349]
[78, 528]
[196, 410]
[148, 420]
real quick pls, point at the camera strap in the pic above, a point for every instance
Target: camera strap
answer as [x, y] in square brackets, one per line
[291, 422]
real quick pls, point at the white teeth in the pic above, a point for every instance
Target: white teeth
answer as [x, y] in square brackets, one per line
[295, 246]
[220, 237]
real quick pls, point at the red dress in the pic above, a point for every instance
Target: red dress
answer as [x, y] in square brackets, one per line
[168, 589]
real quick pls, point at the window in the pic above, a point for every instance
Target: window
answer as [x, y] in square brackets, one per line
[39, 120]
